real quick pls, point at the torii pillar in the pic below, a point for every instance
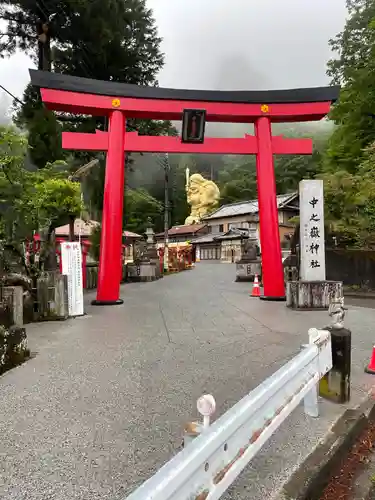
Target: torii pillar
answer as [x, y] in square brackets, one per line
[110, 262]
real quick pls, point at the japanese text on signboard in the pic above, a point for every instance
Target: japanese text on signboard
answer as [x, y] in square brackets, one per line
[312, 230]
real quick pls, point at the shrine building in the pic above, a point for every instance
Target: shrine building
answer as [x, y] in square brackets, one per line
[230, 224]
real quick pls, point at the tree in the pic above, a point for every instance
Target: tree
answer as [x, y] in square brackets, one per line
[12, 154]
[353, 68]
[107, 39]
[139, 207]
[32, 201]
[51, 201]
[291, 169]
[44, 131]
[353, 45]
[238, 182]
[95, 237]
[350, 203]
[238, 179]
[112, 40]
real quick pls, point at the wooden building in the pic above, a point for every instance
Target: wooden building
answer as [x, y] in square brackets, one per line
[83, 230]
[230, 224]
[181, 235]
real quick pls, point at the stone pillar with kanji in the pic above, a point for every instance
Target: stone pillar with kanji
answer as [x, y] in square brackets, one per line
[312, 290]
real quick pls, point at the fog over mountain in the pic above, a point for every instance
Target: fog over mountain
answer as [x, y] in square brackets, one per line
[245, 44]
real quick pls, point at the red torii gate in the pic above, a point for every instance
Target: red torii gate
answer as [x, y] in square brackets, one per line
[119, 101]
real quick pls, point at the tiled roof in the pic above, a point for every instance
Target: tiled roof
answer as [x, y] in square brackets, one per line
[207, 238]
[190, 229]
[247, 207]
[130, 234]
[85, 228]
[232, 234]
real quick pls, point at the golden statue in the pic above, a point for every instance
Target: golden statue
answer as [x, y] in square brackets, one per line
[202, 195]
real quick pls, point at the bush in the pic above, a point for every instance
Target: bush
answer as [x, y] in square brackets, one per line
[13, 347]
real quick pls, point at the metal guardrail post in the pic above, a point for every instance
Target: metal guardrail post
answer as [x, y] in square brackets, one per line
[206, 405]
[311, 399]
[210, 463]
[335, 385]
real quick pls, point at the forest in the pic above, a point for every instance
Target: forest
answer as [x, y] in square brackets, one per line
[117, 40]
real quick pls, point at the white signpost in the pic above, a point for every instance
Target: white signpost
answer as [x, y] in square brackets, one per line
[71, 260]
[313, 265]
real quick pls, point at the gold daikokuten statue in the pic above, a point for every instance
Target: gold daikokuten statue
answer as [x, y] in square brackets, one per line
[202, 195]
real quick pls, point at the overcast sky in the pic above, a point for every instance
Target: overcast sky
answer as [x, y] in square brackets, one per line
[231, 44]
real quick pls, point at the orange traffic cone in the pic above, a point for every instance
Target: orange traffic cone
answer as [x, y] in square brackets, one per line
[371, 367]
[256, 289]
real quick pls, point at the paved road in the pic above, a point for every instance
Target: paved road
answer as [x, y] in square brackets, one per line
[102, 404]
[360, 302]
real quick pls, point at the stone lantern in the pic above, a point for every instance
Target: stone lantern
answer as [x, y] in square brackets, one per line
[150, 233]
[148, 267]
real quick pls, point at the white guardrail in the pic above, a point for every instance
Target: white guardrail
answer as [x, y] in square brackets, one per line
[209, 464]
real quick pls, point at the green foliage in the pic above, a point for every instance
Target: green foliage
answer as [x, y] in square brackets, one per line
[354, 45]
[291, 169]
[139, 206]
[238, 179]
[112, 40]
[53, 201]
[237, 182]
[95, 242]
[12, 150]
[348, 172]
[32, 200]
[350, 203]
[353, 68]
[12, 153]
[107, 39]
[44, 138]
[44, 131]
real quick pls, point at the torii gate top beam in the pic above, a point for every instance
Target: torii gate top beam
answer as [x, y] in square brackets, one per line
[95, 97]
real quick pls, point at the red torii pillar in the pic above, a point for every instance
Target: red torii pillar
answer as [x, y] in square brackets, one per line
[110, 262]
[66, 93]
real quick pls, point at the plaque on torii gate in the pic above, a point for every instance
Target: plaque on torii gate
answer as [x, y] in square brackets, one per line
[120, 101]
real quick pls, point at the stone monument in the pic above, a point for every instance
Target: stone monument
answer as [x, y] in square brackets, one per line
[202, 195]
[146, 266]
[250, 263]
[312, 290]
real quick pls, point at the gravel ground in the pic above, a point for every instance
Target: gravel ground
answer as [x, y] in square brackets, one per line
[102, 404]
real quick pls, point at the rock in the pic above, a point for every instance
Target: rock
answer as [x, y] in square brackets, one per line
[309, 295]
[18, 279]
[13, 347]
[250, 263]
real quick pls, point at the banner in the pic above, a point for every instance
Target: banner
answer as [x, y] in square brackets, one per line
[71, 260]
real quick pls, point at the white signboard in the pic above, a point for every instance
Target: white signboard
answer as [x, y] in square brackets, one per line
[311, 200]
[71, 260]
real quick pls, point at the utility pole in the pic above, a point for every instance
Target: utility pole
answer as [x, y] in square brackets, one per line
[166, 210]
